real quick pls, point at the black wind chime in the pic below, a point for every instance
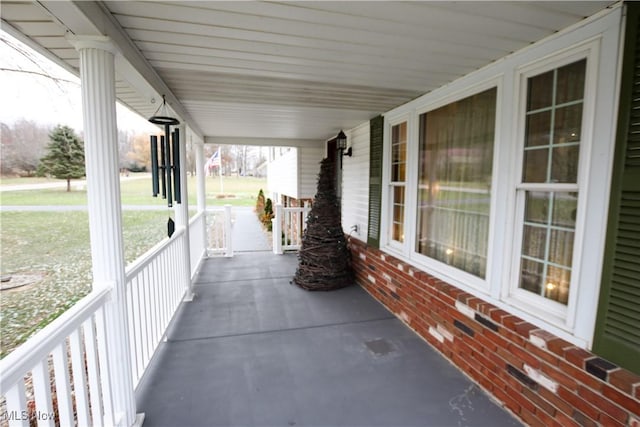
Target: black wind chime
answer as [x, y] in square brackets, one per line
[165, 173]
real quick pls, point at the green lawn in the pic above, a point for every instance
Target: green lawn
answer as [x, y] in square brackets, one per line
[236, 191]
[28, 180]
[55, 245]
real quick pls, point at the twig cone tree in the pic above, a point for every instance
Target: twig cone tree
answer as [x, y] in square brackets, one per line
[324, 259]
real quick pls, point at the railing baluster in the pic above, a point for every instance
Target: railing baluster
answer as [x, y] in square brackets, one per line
[79, 377]
[132, 334]
[163, 295]
[103, 379]
[42, 393]
[146, 284]
[63, 384]
[139, 319]
[93, 377]
[287, 228]
[16, 402]
[155, 307]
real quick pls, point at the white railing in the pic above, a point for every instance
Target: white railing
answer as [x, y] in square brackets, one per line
[60, 376]
[288, 227]
[155, 287]
[197, 241]
[219, 231]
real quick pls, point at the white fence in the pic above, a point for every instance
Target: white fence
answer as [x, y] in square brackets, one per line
[219, 231]
[288, 227]
[155, 288]
[67, 358]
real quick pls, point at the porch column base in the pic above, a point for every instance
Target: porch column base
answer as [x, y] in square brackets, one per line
[139, 419]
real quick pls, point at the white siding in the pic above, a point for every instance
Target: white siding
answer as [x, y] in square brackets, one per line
[355, 183]
[282, 175]
[309, 167]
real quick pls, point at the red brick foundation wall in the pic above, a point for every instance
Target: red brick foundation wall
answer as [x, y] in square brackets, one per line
[542, 379]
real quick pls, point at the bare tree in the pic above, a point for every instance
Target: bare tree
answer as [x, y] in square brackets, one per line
[22, 146]
[125, 143]
[139, 154]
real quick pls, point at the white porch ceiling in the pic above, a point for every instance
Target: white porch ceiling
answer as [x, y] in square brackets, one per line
[290, 70]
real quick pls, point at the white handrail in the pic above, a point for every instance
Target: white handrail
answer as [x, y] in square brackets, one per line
[79, 332]
[155, 286]
[44, 341]
[141, 262]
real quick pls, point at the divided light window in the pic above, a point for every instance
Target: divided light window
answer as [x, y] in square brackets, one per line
[398, 178]
[548, 194]
[454, 188]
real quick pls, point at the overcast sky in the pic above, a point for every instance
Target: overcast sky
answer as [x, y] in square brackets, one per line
[25, 93]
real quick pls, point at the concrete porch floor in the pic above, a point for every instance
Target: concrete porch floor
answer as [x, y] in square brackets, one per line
[254, 350]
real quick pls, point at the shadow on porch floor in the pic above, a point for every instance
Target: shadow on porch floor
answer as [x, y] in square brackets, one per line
[252, 349]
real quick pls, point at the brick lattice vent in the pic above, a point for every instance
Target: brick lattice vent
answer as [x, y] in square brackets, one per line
[542, 379]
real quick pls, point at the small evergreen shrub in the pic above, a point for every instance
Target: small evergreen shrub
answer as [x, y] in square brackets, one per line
[268, 214]
[260, 204]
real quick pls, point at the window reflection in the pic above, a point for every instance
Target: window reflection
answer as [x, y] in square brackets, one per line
[456, 160]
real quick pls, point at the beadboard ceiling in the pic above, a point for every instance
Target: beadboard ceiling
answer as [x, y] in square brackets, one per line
[288, 70]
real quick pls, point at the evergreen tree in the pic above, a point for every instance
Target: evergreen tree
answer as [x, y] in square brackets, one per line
[267, 215]
[65, 155]
[260, 204]
[324, 258]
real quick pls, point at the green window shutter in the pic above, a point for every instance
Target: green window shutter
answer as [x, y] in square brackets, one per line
[376, 130]
[617, 334]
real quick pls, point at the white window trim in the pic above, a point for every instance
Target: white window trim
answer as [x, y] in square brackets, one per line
[452, 274]
[387, 210]
[387, 214]
[605, 27]
[558, 314]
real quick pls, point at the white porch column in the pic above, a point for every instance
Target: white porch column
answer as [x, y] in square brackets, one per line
[97, 73]
[182, 213]
[201, 176]
[276, 229]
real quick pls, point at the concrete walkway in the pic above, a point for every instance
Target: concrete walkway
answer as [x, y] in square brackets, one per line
[75, 183]
[254, 350]
[247, 233]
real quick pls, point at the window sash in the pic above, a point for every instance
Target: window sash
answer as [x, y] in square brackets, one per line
[538, 280]
[397, 182]
[455, 173]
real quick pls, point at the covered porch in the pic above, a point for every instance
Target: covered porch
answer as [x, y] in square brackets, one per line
[253, 349]
[250, 348]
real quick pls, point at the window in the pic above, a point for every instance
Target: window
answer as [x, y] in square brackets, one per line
[548, 193]
[454, 183]
[506, 179]
[397, 180]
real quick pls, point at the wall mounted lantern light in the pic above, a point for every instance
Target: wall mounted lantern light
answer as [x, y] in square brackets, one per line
[341, 141]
